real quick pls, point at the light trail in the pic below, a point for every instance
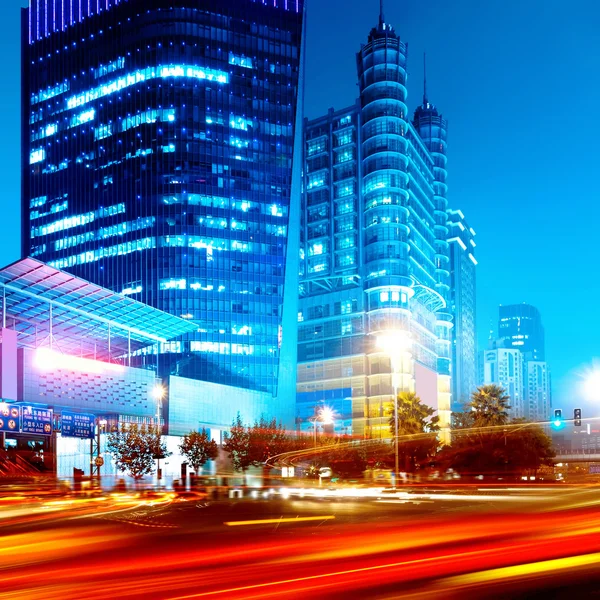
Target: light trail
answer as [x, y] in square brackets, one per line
[273, 521]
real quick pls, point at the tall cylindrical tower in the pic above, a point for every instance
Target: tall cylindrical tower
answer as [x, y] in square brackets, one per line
[433, 131]
[381, 65]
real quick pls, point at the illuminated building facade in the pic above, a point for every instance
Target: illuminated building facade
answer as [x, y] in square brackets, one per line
[374, 314]
[538, 399]
[158, 143]
[520, 325]
[505, 367]
[521, 336]
[463, 305]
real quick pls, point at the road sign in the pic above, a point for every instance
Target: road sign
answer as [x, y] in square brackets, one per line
[99, 461]
[36, 420]
[78, 425]
[10, 417]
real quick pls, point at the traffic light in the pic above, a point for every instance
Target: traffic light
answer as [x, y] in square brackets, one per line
[577, 417]
[557, 418]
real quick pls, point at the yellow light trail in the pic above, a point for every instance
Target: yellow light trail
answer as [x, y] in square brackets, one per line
[271, 521]
[527, 569]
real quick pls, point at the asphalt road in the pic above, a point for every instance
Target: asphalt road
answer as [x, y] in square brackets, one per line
[460, 543]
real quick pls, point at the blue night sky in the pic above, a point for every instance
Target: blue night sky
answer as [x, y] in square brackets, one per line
[518, 82]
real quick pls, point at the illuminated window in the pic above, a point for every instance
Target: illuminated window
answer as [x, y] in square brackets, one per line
[240, 61]
[50, 92]
[344, 189]
[172, 284]
[316, 180]
[37, 156]
[239, 123]
[344, 138]
[102, 132]
[188, 71]
[115, 65]
[316, 146]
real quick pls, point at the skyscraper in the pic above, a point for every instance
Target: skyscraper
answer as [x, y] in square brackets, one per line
[375, 276]
[521, 326]
[463, 303]
[505, 367]
[158, 142]
[515, 361]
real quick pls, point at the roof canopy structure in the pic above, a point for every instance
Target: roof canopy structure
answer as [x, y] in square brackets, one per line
[48, 307]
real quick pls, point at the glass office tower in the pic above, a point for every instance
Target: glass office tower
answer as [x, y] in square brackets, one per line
[158, 143]
[520, 325]
[463, 302]
[375, 276]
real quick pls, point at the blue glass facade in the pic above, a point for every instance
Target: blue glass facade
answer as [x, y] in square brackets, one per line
[520, 326]
[374, 314]
[158, 143]
[463, 305]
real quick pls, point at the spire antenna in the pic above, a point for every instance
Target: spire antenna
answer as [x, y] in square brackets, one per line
[381, 17]
[424, 77]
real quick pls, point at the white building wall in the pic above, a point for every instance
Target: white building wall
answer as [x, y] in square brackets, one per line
[537, 390]
[194, 404]
[504, 367]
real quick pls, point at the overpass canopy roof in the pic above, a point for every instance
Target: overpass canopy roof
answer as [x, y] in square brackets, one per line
[49, 307]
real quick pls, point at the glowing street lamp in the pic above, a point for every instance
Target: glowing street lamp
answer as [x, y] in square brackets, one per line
[591, 384]
[325, 415]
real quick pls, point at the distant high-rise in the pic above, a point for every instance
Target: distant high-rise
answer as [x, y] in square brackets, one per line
[537, 390]
[463, 303]
[521, 326]
[374, 311]
[516, 359]
[158, 143]
[504, 367]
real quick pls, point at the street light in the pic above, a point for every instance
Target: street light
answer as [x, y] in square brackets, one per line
[324, 415]
[591, 383]
[394, 344]
[158, 392]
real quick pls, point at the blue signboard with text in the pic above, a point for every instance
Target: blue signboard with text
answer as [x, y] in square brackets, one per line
[36, 420]
[78, 425]
[10, 417]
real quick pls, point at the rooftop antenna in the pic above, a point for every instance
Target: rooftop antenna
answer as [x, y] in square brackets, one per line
[424, 77]
[381, 17]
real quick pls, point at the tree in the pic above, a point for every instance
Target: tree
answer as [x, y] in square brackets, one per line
[520, 447]
[198, 448]
[266, 439]
[490, 406]
[528, 447]
[135, 448]
[236, 444]
[415, 421]
[462, 420]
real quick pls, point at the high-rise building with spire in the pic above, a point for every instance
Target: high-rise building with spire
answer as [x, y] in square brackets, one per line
[375, 315]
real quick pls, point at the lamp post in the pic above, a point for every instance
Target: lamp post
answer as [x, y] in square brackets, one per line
[159, 393]
[325, 416]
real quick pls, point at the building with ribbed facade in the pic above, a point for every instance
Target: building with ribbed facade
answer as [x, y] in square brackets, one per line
[505, 367]
[463, 304]
[374, 314]
[158, 162]
[515, 362]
